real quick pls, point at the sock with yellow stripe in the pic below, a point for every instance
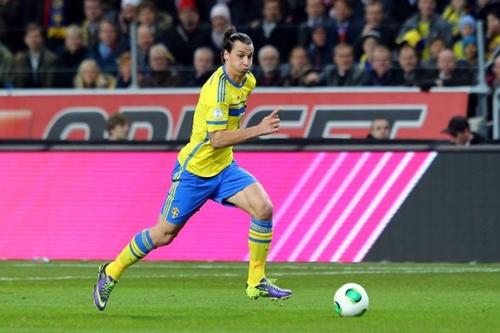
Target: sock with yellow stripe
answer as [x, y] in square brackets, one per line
[259, 240]
[135, 250]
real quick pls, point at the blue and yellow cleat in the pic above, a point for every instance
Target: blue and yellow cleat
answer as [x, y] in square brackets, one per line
[103, 288]
[267, 288]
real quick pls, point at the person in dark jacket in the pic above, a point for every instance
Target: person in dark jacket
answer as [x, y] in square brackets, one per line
[382, 73]
[109, 48]
[448, 74]
[35, 67]
[203, 67]
[70, 58]
[409, 66]
[459, 130]
[268, 74]
[188, 35]
[343, 72]
[272, 29]
[161, 74]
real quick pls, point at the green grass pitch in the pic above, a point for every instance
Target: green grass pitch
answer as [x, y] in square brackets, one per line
[210, 297]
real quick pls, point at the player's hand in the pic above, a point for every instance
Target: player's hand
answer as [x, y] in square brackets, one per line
[270, 124]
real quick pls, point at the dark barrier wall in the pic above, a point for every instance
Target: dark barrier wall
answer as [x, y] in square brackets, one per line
[452, 214]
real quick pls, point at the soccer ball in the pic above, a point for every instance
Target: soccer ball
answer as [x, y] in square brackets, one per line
[351, 300]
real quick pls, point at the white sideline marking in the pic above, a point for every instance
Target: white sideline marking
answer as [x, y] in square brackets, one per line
[306, 273]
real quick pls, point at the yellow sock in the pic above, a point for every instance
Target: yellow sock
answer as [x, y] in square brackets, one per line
[259, 240]
[135, 250]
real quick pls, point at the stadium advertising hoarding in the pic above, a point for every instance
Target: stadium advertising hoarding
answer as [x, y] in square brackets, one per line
[329, 206]
[167, 114]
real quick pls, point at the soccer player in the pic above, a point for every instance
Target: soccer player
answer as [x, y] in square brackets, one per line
[205, 169]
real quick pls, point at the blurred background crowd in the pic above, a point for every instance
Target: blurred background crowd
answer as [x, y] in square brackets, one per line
[87, 43]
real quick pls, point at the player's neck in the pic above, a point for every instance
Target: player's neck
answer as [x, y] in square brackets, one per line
[235, 77]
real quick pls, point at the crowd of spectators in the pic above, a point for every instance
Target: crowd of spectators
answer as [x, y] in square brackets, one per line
[86, 43]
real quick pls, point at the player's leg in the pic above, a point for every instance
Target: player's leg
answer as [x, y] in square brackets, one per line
[186, 195]
[139, 246]
[254, 200]
[163, 233]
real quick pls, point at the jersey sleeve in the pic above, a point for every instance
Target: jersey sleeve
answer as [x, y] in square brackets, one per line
[217, 108]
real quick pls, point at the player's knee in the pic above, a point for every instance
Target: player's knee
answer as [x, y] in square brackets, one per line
[264, 211]
[165, 239]
[164, 233]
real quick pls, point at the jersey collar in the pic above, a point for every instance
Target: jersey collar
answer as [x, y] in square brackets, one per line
[231, 81]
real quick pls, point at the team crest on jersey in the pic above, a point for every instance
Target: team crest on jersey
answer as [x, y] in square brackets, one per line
[218, 113]
[175, 212]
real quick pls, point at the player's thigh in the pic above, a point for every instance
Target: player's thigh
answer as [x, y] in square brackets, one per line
[254, 200]
[186, 195]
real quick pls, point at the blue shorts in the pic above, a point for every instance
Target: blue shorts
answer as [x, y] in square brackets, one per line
[189, 192]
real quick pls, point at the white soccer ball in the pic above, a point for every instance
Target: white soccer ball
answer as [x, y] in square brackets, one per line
[351, 300]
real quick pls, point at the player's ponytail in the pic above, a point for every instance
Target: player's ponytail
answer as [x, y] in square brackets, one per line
[230, 37]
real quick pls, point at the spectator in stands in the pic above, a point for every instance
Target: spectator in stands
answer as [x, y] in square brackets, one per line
[453, 13]
[158, 22]
[429, 25]
[89, 76]
[6, 62]
[145, 40]
[320, 48]
[220, 20]
[494, 75]
[466, 34]
[109, 48]
[243, 12]
[315, 10]
[188, 35]
[461, 134]
[124, 79]
[469, 59]
[70, 58]
[492, 33]
[128, 14]
[447, 73]
[271, 29]
[374, 21]
[343, 71]
[400, 10]
[299, 71]
[411, 72]
[117, 127]
[93, 14]
[268, 73]
[369, 41]
[12, 24]
[203, 67]
[35, 67]
[382, 73]
[380, 129]
[346, 28]
[436, 46]
[160, 72]
[484, 7]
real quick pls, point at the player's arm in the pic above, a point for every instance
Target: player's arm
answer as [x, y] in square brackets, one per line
[225, 138]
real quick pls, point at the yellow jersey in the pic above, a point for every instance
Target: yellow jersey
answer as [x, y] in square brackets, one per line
[221, 106]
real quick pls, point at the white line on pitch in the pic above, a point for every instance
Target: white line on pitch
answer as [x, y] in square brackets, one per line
[309, 273]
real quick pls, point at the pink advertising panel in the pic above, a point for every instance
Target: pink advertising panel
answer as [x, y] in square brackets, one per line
[329, 206]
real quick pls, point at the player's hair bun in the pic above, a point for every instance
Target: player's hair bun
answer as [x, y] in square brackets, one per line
[229, 31]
